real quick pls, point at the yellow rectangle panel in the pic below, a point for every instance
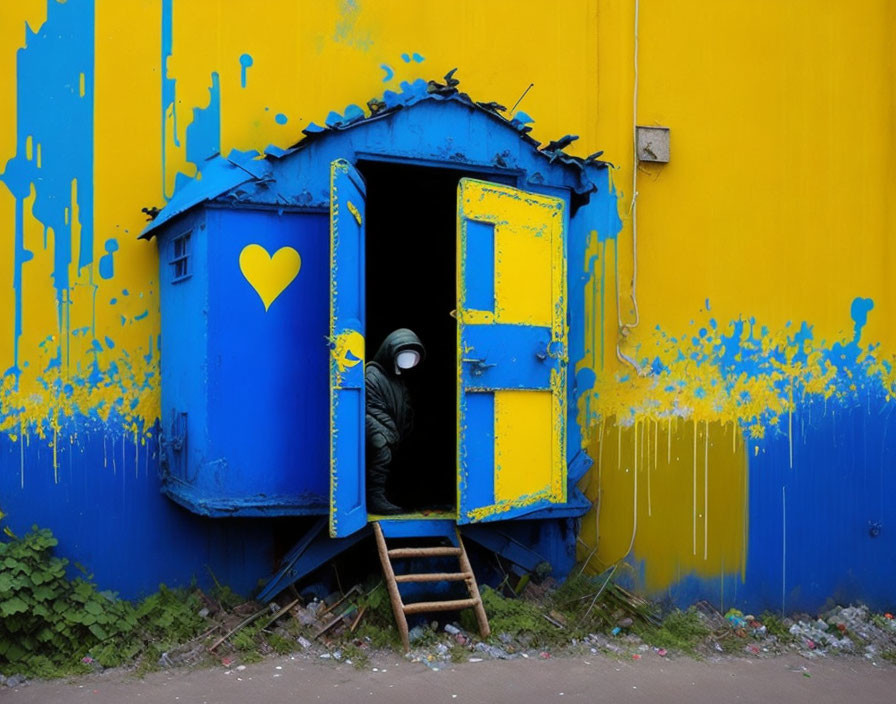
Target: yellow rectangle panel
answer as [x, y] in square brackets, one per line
[523, 286]
[524, 444]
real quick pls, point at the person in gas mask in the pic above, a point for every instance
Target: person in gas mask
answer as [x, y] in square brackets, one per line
[389, 418]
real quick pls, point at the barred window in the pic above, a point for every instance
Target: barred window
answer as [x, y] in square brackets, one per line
[180, 258]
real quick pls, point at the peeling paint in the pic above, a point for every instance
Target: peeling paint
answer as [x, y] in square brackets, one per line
[746, 373]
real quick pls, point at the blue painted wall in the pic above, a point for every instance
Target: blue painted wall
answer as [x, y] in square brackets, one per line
[111, 517]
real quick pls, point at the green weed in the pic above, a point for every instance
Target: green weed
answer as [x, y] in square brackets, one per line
[281, 645]
[680, 630]
[519, 618]
[378, 624]
[776, 627]
[49, 623]
[358, 656]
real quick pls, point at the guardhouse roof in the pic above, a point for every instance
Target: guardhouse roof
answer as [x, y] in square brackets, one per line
[248, 176]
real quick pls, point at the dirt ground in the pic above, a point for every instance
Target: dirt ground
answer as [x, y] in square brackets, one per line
[788, 678]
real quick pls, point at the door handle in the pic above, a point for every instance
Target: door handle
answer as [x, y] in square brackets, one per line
[555, 349]
[560, 347]
[479, 366]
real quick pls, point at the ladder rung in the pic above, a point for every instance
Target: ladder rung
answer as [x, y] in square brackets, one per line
[455, 605]
[433, 577]
[423, 552]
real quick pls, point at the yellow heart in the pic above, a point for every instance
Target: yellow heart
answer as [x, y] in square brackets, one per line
[268, 275]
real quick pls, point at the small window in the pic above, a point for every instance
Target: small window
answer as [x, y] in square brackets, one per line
[180, 258]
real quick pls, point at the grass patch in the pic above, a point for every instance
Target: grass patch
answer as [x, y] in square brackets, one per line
[680, 630]
[359, 657]
[378, 624]
[520, 619]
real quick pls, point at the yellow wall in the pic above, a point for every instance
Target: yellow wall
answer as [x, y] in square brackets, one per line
[776, 203]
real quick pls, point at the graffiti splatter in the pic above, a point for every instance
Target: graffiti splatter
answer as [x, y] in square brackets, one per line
[245, 63]
[53, 165]
[204, 132]
[746, 373]
[169, 111]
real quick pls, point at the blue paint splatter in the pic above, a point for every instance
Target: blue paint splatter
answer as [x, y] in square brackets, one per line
[280, 118]
[859, 311]
[168, 89]
[204, 133]
[607, 222]
[107, 265]
[389, 72]
[109, 343]
[416, 57]
[245, 63]
[142, 315]
[849, 370]
[848, 355]
[54, 157]
[406, 58]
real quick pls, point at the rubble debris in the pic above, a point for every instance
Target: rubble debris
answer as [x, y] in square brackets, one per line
[242, 624]
[587, 615]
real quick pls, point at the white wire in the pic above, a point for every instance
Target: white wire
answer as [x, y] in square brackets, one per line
[626, 328]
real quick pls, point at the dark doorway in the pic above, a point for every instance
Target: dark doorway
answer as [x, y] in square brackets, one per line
[411, 283]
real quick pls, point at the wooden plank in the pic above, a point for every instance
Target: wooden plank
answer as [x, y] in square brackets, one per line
[455, 605]
[423, 552]
[242, 624]
[433, 577]
[280, 613]
[354, 590]
[358, 618]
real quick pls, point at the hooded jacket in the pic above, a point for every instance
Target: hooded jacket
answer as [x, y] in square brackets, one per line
[389, 413]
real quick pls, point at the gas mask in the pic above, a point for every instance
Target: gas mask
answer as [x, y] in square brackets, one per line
[406, 359]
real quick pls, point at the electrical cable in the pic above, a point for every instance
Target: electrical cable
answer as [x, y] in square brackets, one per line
[626, 328]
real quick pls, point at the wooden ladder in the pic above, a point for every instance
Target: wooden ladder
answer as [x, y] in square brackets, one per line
[401, 610]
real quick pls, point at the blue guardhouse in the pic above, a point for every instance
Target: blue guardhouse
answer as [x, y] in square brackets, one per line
[282, 272]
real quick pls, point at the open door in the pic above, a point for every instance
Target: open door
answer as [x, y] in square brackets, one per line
[512, 351]
[348, 506]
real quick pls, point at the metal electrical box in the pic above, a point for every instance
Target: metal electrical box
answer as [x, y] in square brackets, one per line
[653, 144]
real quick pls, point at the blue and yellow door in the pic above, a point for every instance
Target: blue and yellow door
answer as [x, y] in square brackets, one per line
[348, 506]
[512, 351]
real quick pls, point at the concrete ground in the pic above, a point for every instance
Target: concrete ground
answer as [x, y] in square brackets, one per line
[392, 679]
